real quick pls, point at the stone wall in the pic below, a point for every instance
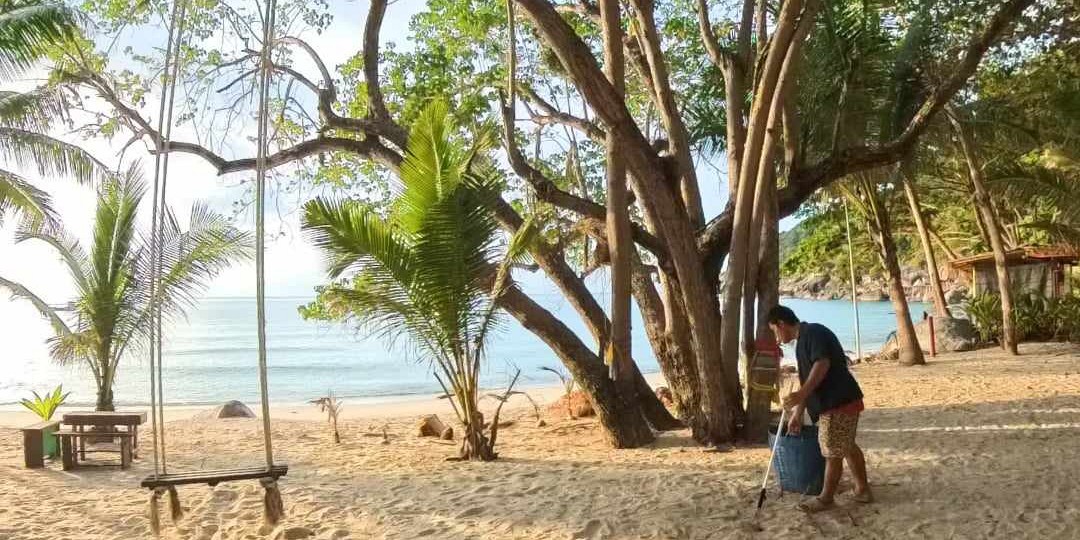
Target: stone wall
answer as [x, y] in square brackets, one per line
[870, 287]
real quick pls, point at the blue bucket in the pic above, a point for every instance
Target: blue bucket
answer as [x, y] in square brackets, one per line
[798, 461]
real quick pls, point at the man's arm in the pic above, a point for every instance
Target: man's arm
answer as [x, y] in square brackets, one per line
[813, 380]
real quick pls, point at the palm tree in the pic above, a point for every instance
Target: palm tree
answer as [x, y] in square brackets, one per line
[428, 271]
[27, 31]
[112, 303]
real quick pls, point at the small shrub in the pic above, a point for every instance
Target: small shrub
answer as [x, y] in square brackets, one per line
[46, 406]
[1030, 315]
[1063, 315]
[1036, 318]
[332, 407]
[984, 311]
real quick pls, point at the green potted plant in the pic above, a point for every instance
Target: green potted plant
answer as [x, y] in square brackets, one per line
[45, 407]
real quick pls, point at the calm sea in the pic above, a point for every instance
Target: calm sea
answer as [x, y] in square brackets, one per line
[211, 357]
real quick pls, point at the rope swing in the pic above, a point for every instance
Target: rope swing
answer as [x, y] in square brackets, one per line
[162, 481]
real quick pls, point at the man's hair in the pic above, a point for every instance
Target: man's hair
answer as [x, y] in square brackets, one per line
[781, 314]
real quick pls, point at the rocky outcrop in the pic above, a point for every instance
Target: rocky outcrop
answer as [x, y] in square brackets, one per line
[951, 335]
[870, 287]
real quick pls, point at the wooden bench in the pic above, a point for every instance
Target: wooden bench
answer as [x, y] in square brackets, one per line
[34, 443]
[71, 450]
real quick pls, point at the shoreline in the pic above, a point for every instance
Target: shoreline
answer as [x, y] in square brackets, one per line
[366, 408]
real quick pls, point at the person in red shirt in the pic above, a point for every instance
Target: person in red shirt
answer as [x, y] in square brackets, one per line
[832, 397]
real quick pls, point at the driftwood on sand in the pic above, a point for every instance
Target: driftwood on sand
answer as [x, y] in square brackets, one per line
[432, 426]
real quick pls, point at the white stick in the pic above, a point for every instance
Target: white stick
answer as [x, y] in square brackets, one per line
[775, 444]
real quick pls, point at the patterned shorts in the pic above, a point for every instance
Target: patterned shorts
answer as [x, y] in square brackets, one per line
[836, 434]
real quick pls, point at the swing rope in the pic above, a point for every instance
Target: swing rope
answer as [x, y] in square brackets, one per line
[260, 226]
[162, 482]
[161, 169]
[273, 507]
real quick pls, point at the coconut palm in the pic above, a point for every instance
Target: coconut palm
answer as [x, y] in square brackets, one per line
[428, 271]
[28, 29]
[111, 309]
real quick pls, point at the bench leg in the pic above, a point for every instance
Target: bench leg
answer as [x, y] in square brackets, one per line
[67, 453]
[125, 452]
[135, 441]
[82, 444]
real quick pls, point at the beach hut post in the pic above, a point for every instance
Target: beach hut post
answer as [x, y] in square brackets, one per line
[854, 290]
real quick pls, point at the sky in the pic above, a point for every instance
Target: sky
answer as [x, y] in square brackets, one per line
[294, 267]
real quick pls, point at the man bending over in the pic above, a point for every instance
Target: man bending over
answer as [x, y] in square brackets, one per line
[833, 398]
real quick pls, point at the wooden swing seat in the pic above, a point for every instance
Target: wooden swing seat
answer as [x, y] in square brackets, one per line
[214, 477]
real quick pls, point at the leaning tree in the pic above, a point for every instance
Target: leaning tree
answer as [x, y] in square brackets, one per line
[622, 102]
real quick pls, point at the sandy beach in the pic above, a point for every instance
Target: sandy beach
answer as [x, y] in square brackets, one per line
[973, 445]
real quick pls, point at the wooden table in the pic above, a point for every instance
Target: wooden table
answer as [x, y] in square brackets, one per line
[111, 420]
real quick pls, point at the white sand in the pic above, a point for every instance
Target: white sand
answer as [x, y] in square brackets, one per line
[974, 445]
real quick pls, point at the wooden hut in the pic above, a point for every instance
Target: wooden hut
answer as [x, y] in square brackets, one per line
[1033, 270]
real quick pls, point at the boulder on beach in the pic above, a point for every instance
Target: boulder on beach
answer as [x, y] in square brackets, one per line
[231, 409]
[579, 407]
[951, 335]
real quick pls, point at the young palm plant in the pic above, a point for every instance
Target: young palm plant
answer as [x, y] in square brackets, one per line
[111, 309]
[28, 29]
[433, 269]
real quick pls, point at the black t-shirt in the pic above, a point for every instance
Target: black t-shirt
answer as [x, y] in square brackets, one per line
[838, 388]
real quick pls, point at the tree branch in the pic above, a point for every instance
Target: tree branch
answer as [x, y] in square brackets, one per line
[376, 102]
[803, 182]
[678, 138]
[719, 57]
[547, 191]
[553, 115]
[369, 148]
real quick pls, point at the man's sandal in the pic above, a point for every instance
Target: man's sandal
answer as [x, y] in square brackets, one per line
[865, 497]
[815, 505]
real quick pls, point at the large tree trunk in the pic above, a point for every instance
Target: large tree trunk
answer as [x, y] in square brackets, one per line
[768, 278]
[881, 228]
[984, 206]
[756, 167]
[666, 328]
[941, 307]
[618, 349]
[662, 207]
[949, 252]
[621, 419]
[575, 291]
[753, 265]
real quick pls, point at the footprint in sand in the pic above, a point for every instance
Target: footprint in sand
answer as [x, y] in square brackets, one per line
[474, 511]
[593, 530]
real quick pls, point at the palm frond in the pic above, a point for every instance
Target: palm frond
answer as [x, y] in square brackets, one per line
[21, 197]
[352, 235]
[1025, 185]
[28, 30]
[72, 348]
[20, 291]
[191, 259]
[49, 156]
[36, 110]
[66, 246]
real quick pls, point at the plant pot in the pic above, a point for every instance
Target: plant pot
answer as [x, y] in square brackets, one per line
[49, 442]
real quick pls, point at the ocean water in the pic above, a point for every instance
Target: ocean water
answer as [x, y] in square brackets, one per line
[211, 357]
